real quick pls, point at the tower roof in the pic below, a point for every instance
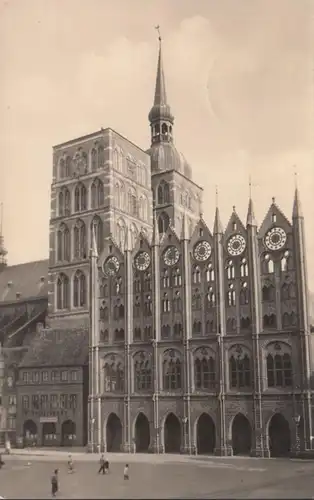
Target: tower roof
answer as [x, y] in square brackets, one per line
[161, 108]
[250, 220]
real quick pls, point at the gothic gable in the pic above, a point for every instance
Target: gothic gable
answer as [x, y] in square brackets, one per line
[274, 217]
[111, 249]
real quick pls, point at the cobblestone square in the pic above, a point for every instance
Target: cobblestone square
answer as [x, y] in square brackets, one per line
[161, 477]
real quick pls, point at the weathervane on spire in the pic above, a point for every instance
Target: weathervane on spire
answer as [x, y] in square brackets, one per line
[158, 31]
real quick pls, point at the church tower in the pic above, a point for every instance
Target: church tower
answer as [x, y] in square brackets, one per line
[174, 192]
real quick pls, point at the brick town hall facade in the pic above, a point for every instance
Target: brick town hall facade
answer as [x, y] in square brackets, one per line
[178, 337]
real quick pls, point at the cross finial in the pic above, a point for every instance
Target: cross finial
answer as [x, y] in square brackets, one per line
[158, 31]
[216, 196]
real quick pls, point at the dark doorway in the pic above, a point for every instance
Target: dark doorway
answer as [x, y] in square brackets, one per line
[114, 433]
[279, 436]
[49, 434]
[206, 435]
[241, 435]
[142, 433]
[30, 433]
[172, 434]
[68, 433]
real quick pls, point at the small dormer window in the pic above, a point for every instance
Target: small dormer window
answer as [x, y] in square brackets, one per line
[201, 231]
[274, 218]
[234, 226]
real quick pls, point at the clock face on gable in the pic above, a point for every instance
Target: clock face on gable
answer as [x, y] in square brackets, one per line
[202, 251]
[111, 266]
[142, 261]
[236, 245]
[171, 256]
[275, 238]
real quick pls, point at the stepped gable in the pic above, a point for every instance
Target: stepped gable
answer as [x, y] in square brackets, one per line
[30, 280]
[58, 348]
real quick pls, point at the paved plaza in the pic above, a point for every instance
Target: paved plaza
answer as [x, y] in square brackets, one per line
[161, 476]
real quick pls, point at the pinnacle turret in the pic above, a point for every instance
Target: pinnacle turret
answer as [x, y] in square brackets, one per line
[297, 209]
[250, 220]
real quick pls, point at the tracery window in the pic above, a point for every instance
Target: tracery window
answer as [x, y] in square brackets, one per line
[97, 193]
[143, 373]
[165, 303]
[163, 195]
[279, 366]
[63, 292]
[172, 371]
[114, 376]
[63, 243]
[80, 198]
[210, 296]
[177, 303]
[231, 296]
[80, 240]
[176, 277]
[196, 275]
[244, 268]
[79, 289]
[204, 370]
[240, 369]
[230, 270]
[97, 229]
[244, 294]
[64, 202]
[163, 222]
[210, 274]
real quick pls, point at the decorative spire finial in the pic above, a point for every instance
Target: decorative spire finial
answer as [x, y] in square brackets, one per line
[295, 177]
[158, 31]
[216, 195]
[273, 199]
[250, 186]
[234, 208]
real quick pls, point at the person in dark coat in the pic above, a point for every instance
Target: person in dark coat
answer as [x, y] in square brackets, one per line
[102, 465]
[106, 466]
[1, 462]
[54, 483]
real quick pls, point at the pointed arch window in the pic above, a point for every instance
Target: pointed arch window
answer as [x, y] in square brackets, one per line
[244, 294]
[64, 202]
[80, 240]
[163, 222]
[137, 284]
[270, 321]
[165, 331]
[240, 370]
[204, 372]
[63, 291]
[114, 377]
[163, 193]
[244, 268]
[268, 265]
[79, 289]
[284, 263]
[177, 330]
[134, 233]
[268, 292]
[177, 303]
[97, 228]
[165, 280]
[176, 277]
[104, 313]
[143, 208]
[68, 166]
[93, 156]
[230, 270]
[196, 275]
[148, 306]
[165, 303]
[100, 157]
[210, 273]
[279, 368]
[62, 172]
[197, 328]
[80, 198]
[121, 233]
[172, 373]
[97, 193]
[132, 200]
[143, 375]
[231, 296]
[211, 299]
[210, 326]
[63, 243]
[196, 300]
[137, 308]
[147, 282]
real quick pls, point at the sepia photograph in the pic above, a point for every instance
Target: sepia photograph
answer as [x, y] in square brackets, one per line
[157, 249]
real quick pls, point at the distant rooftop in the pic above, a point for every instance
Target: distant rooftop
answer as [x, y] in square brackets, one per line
[24, 281]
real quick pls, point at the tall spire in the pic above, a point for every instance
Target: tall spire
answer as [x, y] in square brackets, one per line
[297, 209]
[250, 220]
[218, 229]
[3, 251]
[160, 116]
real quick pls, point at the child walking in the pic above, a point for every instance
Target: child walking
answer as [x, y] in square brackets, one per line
[54, 483]
[126, 472]
[70, 465]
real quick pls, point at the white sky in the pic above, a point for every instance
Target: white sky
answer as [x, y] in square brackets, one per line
[239, 77]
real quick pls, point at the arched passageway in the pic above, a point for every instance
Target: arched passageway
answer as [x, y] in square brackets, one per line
[142, 433]
[68, 433]
[279, 436]
[172, 434]
[114, 433]
[205, 435]
[30, 432]
[241, 435]
[49, 434]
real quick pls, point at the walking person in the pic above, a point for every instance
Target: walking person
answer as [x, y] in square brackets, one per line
[55, 483]
[102, 465]
[1, 462]
[106, 466]
[126, 472]
[70, 465]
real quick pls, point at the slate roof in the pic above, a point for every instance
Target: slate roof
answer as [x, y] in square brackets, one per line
[58, 348]
[27, 279]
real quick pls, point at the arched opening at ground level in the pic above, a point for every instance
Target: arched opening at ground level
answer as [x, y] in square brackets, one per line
[68, 433]
[241, 435]
[205, 435]
[114, 433]
[49, 434]
[30, 433]
[172, 434]
[279, 436]
[142, 433]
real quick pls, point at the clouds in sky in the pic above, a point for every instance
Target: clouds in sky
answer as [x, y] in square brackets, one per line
[239, 80]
